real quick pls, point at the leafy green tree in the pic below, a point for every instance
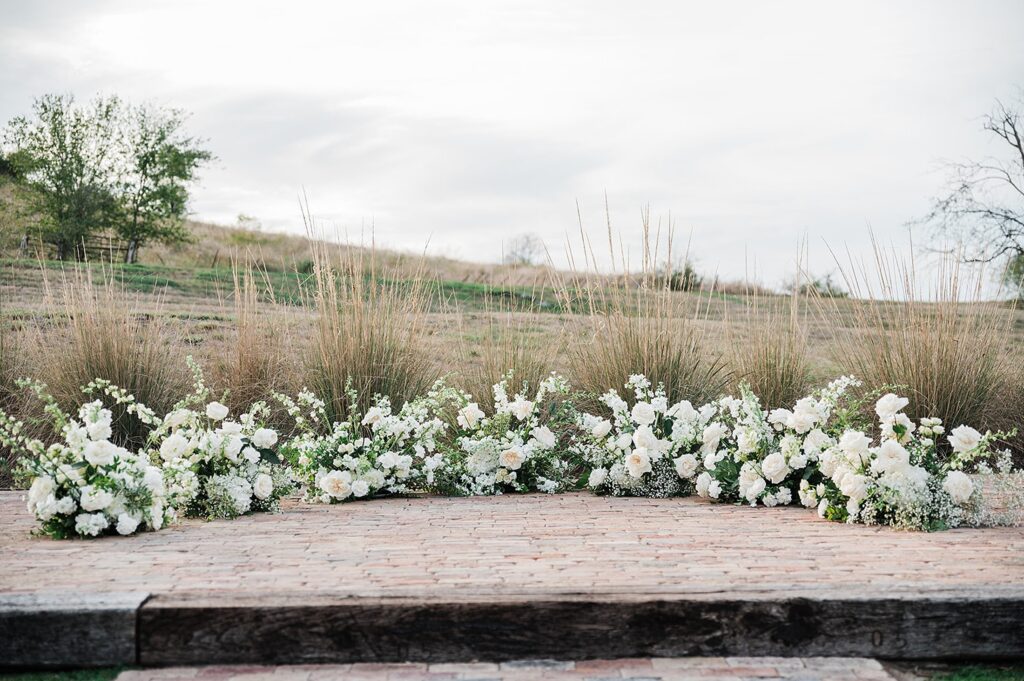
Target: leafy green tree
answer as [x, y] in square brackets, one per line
[160, 163]
[1013, 275]
[68, 154]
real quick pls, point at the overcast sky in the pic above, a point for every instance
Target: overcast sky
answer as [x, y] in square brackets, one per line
[754, 124]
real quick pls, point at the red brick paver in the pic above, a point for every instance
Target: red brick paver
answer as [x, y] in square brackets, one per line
[685, 669]
[574, 543]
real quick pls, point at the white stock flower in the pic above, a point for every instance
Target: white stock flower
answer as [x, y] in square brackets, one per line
[686, 466]
[643, 413]
[216, 411]
[100, 430]
[702, 483]
[638, 462]
[470, 415]
[964, 439]
[958, 486]
[889, 405]
[360, 488]
[262, 486]
[265, 438]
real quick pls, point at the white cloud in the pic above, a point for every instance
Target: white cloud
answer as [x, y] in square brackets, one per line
[755, 124]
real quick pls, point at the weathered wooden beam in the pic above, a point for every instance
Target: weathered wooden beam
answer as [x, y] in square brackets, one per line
[304, 628]
[60, 629]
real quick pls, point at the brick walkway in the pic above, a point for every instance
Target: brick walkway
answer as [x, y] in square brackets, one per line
[575, 543]
[681, 669]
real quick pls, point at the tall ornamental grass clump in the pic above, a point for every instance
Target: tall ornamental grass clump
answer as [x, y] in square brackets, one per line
[506, 346]
[12, 367]
[768, 349]
[636, 323]
[368, 337]
[97, 330]
[261, 360]
[939, 337]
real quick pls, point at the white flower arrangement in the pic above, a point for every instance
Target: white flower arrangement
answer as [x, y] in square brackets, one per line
[771, 457]
[217, 467]
[649, 449]
[512, 450]
[905, 479]
[85, 485]
[372, 454]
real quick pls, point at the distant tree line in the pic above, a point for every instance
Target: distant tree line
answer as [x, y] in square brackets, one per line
[104, 168]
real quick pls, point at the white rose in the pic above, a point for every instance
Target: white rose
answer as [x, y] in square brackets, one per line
[754, 489]
[90, 524]
[100, 453]
[891, 456]
[779, 418]
[521, 409]
[686, 466]
[601, 428]
[265, 438]
[855, 487]
[177, 418]
[958, 486]
[597, 477]
[644, 438]
[512, 458]
[94, 499]
[643, 413]
[251, 455]
[964, 439]
[99, 430]
[175, 447]
[153, 479]
[216, 411]
[231, 427]
[638, 462]
[42, 487]
[336, 485]
[126, 524]
[470, 415]
[263, 486]
[544, 436]
[233, 447]
[373, 415]
[711, 436]
[683, 411]
[360, 488]
[889, 405]
[774, 467]
[702, 484]
[854, 445]
[714, 489]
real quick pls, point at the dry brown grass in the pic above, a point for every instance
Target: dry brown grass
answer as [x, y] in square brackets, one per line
[259, 359]
[368, 330]
[768, 349]
[508, 341]
[99, 331]
[642, 327]
[940, 338]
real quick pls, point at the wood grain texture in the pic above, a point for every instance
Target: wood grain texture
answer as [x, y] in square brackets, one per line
[60, 629]
[286, 629]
